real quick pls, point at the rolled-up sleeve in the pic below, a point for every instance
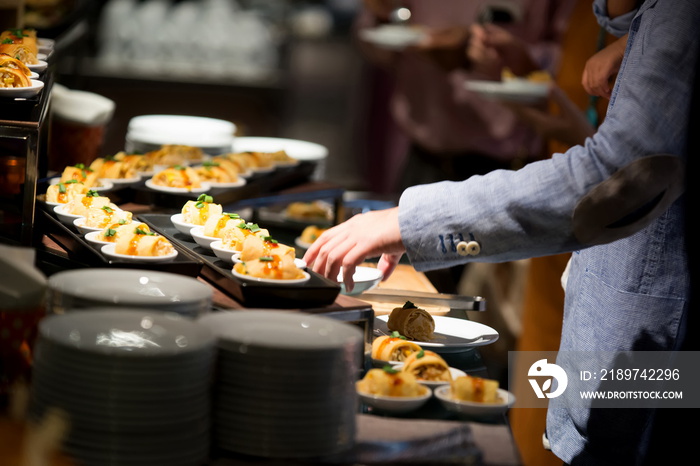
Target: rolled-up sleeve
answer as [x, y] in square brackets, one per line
[618, 26]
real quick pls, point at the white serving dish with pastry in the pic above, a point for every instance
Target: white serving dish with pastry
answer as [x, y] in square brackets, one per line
[504, 401]
[392, 390]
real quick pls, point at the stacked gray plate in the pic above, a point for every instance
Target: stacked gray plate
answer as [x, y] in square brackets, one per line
[128, 288]
[284, 385]
[135, 385]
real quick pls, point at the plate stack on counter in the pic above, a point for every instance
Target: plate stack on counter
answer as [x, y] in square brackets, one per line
[134, 384]
[284, 385]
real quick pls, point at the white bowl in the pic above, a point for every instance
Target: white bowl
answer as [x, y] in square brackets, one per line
[92, 237]
[472, 408]
[65, 217]
[395, 404]
[201, 239]
[301, 263]
[109, 251]
[210, 134]
[120, 181]
[293, 282]
[227, 255]
[204, 187]
[79, 223]
[365, 278]
[128, 288]
[181, 225]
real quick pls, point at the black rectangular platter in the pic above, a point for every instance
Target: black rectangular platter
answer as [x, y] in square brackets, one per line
[81, 251]
[317, 292]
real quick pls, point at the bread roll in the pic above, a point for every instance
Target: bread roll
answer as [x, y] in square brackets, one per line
[427, 365]
[477, 389]
[412, 322]
[387, 348]
[385, 382]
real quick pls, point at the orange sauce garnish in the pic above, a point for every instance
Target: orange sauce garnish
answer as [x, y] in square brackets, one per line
[132, 250]
[204, 212]
[220, 224]
[62, 198]
[272, 268]
[87, 201]
[107, 218]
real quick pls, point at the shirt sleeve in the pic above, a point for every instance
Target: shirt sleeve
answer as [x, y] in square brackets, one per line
[618, 26]
[526, 213]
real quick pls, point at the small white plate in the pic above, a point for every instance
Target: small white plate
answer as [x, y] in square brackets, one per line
[182, 227]
[108, 250]
[105, 185]
[451, 334]
[33, 75]
[392, 36]
[300, 263]
[121, 181]
[38, 67]
[299, 150]
[297, 281]
[234, 184]
[93, 238]
[204, 188]
[201, 239]
[79, 223]
[226, 255]
[395, 404]
[29, 91]
[65, 217]
[472, 408]
[519, 91]
[365, 278]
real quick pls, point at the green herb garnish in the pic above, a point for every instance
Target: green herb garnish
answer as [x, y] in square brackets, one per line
[266, 259]
[396, 334]
[270, 239]
[420, 354]
[7, 41]
[139, 231]
[389, 370]
[107, 209]
[92, 193]
[61, 188]
[110, 232]
[253, 227]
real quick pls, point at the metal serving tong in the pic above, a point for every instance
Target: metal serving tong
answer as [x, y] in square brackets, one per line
[453, 301]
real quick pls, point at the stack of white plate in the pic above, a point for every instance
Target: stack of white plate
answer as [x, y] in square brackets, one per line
[285, 383]
[134, 384]
[127, 288]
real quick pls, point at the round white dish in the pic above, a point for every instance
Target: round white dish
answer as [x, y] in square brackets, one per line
[233, 184]
[182, 226]
[79, 223]
[92, 237]
[451, 334]
[395, 404]
[200, 238]
[108, 250]
[472, 408]
[105, 185]
[203, 132]
[365, 278]
[293, 282]
[519, 91]
[301, 263]
[121, 181]
[299, 150]
[226, 255]
[65, 217]
[29, 91]
[38, 67]
[204, 187]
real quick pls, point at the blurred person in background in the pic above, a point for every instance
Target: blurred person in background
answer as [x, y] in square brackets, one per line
[628, 286]
[451, 133]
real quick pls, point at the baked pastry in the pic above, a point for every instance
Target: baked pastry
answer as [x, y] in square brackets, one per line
[178, 176]
[137, 242]
[101, 217]
[255, 246]
[272, 267]
[20, 44]
[218, 224]
[79, 172]
[10, 78]
[175, 154]
[412, 322]
[233, 238]
[112, 167]
[120, 228]
[427, 365]
[477, 389]
[80, 204]
[245, 161]
[64, 192]
[311, 233]
[315, 210]
[390, 348]
[8, 61]
[390, 382]
[215, 171]
[198, 212]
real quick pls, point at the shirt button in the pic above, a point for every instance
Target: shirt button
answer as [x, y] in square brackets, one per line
[471, 248]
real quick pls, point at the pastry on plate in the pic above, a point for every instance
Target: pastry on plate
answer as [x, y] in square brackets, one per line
[79, 172]
[175, 154]
[8, 61]
[218, 224]
[233, 238]
[412, 322]
[427, 365]
[120, 228]
[178, 176]
[102, 217]
[270, 267]
[137, 242]
[311, 234]
[393, 348]
[64, 192]
[390, 382]
[198, 212]
[216, 172]
[80, 204]
[11, 78]
[477, 389]
[316, 210]
[255, 246]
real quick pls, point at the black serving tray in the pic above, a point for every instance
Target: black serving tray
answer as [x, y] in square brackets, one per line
[318, 291]
[81, 251]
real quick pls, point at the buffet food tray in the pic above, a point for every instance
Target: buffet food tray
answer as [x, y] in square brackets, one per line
[318, 291]
[81, 251]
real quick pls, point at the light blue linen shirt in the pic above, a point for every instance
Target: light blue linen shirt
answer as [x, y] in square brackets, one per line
[628, 294]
